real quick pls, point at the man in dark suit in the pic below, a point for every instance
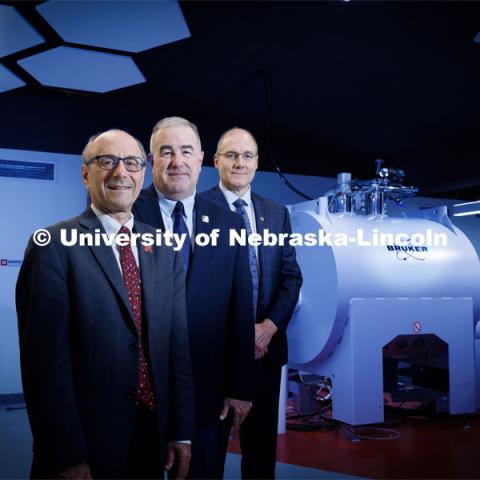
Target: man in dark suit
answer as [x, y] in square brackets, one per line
[276, 279]
[219, 291]
[103, 336]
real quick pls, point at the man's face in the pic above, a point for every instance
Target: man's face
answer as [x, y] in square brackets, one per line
[237, 174]
[113, 191]
[177, 161]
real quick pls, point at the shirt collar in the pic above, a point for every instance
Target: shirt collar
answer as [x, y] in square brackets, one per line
[109, 224]
[167, 205]
[231, 196]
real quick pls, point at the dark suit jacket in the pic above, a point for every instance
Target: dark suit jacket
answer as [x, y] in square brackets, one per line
[219, 308]
[79, 355]
[280, 276]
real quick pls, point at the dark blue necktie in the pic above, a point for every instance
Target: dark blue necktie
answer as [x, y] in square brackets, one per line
[180, 227]
[240, 205]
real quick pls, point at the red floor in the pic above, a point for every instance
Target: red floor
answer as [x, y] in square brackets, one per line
[427, 448]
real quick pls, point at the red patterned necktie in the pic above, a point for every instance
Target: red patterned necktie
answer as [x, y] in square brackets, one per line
[132, 280]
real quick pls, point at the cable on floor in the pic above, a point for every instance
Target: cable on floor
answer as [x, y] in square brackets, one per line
[378, 433]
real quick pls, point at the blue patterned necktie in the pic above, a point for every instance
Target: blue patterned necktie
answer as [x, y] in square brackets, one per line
[240, 205]
[180, 227]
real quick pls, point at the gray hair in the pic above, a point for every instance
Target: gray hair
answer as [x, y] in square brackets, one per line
[230, 130]
[173, 122]
[85, 152]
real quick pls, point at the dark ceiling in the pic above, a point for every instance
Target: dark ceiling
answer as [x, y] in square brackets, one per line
[325, 86]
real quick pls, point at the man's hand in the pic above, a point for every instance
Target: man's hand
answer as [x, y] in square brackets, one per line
[260, 352]
[240, 409]
[264, 331]
[179, 454]
[78, 472]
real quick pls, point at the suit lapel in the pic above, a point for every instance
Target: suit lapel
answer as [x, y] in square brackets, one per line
[218, 197]
[106, 259]
[150, 209]
[261, 220]
[199, 261]
[146, 259]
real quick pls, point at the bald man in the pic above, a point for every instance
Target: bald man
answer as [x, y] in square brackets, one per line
[103, 338]
[276, 280]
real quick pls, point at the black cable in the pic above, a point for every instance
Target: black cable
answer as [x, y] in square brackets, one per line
[299, 427]
[268, 97]
[379, 433]
[324, 422]
[304, 415]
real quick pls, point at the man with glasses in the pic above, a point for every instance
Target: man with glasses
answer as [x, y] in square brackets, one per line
[219, 291]
[103, 337]
[276, 280]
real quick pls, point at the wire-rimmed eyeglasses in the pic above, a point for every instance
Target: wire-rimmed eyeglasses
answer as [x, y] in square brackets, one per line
[234, 156]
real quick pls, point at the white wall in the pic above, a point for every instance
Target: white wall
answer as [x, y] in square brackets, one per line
[28, 205]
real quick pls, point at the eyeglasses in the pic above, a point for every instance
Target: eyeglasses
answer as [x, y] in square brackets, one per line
[233, 156]
[110, 162]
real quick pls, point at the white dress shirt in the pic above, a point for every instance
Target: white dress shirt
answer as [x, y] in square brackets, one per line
[112, 227]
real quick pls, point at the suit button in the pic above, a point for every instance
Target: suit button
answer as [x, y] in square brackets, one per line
[133, 347]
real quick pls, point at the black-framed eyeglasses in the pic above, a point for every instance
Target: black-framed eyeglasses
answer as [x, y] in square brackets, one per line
[233, 156]
[110, 162]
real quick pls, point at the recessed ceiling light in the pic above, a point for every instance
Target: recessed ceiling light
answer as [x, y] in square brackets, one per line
[79, 69]
[15, 32]
[131, 26]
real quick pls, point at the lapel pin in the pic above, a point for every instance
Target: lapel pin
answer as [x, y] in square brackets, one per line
[205, 219]
[262, 219]
[148, 249]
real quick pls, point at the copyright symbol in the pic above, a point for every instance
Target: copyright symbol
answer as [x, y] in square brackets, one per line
[41, 237]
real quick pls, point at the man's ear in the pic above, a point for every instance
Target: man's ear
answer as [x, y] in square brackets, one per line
[85, 175]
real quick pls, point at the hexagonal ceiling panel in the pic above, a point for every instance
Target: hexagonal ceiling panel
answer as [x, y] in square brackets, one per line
[15, 32]
[79, 69]
[131, 26]
[8, 80]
